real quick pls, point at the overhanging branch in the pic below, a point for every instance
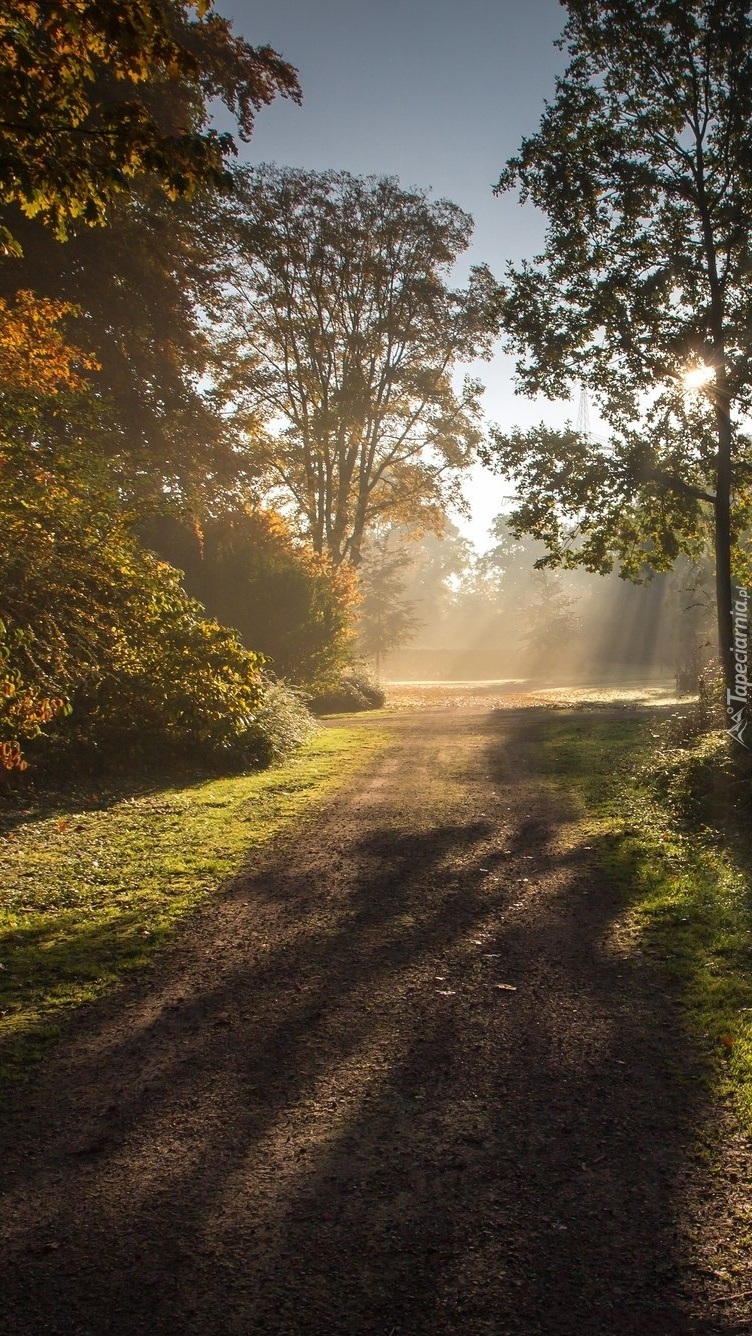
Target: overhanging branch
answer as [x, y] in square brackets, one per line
[673, 484]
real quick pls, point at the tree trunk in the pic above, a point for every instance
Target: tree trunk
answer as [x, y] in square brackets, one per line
[723, 590]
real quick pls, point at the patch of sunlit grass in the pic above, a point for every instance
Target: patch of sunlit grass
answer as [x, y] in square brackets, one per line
[683, 862]
[518, 693]
[90, 887]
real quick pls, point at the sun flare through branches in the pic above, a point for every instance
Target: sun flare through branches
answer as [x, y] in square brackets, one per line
[696, 378]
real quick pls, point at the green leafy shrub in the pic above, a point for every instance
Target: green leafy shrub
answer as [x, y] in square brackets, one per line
[355, 691]
[65, 559]
[284, 720]
[176, 684]
[95, 627]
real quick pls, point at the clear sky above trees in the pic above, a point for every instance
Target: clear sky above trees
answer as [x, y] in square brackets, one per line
[436, 92]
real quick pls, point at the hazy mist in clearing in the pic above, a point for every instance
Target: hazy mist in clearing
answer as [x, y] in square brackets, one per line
[493, 616]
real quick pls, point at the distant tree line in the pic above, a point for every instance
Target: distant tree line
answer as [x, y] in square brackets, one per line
[438, 609]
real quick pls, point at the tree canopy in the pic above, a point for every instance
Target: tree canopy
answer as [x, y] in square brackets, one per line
[137, 287]
[96, 94]
[642, 166]
[106, 119]
[341, 336]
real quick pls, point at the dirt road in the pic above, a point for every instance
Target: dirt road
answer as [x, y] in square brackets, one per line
[399, 1081]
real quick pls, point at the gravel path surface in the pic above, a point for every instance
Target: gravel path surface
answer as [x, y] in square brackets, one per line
[400, 1080]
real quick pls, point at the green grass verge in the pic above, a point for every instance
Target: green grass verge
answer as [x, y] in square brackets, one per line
[670, 828]
[91, 886]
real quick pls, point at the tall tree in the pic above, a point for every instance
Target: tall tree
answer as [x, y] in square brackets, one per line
[94, 95]
[106, 119]
[642, 165]
[342, 333]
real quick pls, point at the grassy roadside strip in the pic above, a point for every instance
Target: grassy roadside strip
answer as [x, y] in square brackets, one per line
[668, 826]
[91, 887]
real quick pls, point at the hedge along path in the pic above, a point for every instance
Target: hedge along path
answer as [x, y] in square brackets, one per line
[91, 887]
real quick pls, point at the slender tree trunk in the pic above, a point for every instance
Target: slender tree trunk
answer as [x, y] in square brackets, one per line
[723, 590]
[723, 426]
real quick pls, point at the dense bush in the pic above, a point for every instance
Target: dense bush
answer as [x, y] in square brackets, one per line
[707, 781]
[703, 772]
[97, 629]
[354, 691]
[175, 684]
[41, 377]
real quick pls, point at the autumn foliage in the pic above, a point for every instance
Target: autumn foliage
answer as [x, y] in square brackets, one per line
[35, 357]
[95, 95]
[250, 571]
[102, 653]
[36, 366]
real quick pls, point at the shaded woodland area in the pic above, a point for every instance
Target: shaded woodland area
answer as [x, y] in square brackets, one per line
[215, 381]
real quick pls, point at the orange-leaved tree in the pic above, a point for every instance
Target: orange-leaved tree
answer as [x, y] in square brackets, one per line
[88, 618]
[37, 369]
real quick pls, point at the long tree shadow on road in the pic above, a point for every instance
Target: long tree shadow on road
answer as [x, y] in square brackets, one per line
[397, 1084]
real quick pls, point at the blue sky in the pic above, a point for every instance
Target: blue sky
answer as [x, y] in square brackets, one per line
[436, 93]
